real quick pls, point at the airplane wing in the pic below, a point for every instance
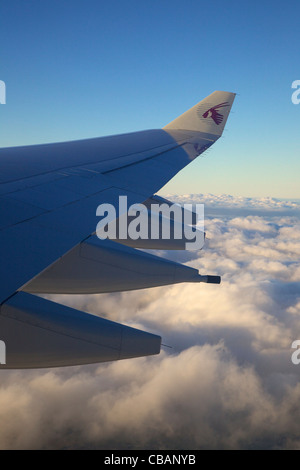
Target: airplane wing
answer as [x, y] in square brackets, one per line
[49, 195]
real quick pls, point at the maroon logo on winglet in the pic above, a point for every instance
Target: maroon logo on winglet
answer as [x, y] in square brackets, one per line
[213, 113]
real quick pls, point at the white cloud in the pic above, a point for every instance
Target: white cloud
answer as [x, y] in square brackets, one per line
[227, 201]
[227, 382]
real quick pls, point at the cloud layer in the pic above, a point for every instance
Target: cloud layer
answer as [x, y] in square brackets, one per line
[227, 382]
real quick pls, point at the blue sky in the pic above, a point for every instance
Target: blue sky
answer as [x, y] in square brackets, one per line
[77, 69]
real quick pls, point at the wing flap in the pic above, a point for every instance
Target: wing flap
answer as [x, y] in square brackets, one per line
[40, 333]
[96, 266]
[13, 211]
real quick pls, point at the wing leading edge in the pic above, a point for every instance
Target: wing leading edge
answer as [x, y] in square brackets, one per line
[48, 199]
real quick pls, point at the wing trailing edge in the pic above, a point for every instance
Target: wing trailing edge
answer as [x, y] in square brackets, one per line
[41, 333]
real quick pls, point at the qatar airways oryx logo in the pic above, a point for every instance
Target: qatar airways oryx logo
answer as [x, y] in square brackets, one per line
[159, 222]
[214, 114]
